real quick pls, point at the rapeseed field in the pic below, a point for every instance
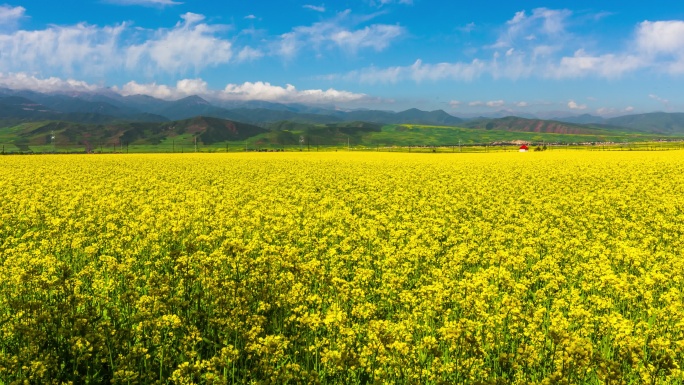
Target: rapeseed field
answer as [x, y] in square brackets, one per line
[342, 268]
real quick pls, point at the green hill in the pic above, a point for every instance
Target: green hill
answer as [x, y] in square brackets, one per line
[655, 122]
[207, 130]
[221, 133]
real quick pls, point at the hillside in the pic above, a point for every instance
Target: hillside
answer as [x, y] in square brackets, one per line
[582, 119]
[207, 130]
[294, 133]
[512, 123]
[656, 122]
[45, 107]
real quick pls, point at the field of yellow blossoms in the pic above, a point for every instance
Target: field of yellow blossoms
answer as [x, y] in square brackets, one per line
[343, 268]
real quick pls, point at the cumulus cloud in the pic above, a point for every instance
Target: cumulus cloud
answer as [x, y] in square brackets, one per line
[23, 81]
[663, 42]
[475, 103]
[189, 46]
[80, 48]
[289, 93]
[245, 91]
[145, 3]
[10, 16]
[521, 104]
[540, 44]
[341, 32]
[575, 106]
[249, 54]
[583, 64]
[455, 104]
[661, 37]
[656, 46]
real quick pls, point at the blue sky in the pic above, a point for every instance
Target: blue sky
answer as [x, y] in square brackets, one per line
[548, 58]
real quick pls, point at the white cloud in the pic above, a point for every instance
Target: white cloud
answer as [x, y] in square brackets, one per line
[250, 17]
[657, 98]
[189, 46]
[151, 89]
[67, 50]
[84, 49]
[418, 72]
[663, 43]
[495, 103]
[249, 54]
[10, 16]
[541, 23]
[657, 46]
[146, 3]
[371, 75]
[574, 106]
[377, 36]
[456, 71]
[476, 103]
[455, 104]
[521, 104]
[23, 81]
[380, 3]
[338, 32]
[245, 91]
[266, 91]
[629, 109]
[661, 37]
[607, 65]
[317, 8]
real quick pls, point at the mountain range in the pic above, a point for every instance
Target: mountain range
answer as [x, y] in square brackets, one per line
[41, 119]
[104, 108]
[108, 107]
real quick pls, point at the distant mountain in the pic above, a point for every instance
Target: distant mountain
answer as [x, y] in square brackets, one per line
[192, 106]
[417, 116]
[513, 123]
[498, 114]
[263, 116]
[110, 106]
[250, 104]
[17, 107]
[32, 106]
[146, 103]
[410, 116]
[654, 122]
[582, 119]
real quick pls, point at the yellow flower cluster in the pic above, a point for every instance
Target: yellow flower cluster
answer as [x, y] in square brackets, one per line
[337, 268]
